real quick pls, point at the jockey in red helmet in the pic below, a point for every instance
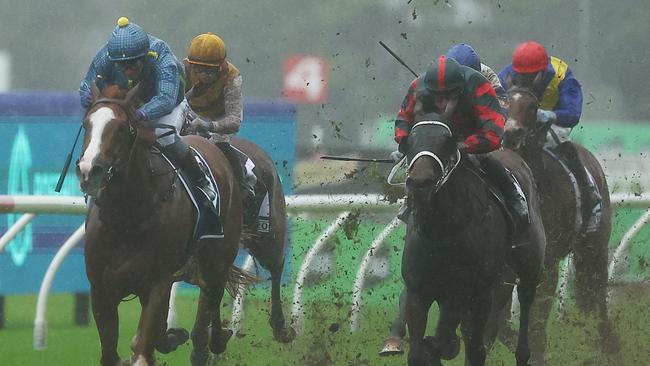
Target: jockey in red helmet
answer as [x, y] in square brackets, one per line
[477, 121]
[560, 104]
[558, 90]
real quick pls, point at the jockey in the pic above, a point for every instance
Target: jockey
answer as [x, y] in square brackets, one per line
[214, 96]
[477, 121]
[560, 96]
[466, 55]
[133, 57]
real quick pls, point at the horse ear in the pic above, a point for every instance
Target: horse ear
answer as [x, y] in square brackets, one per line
[130, 96]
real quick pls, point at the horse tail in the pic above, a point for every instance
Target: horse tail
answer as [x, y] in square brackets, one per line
[238, 280]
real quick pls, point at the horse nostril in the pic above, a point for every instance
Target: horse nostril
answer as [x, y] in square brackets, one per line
[96, 172]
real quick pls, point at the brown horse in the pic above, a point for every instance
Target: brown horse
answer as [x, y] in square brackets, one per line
[268, 247]
[560, 213]
[458, 249]
[139, 236]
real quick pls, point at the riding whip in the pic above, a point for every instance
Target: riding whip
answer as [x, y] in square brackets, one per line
[397, 58]
[68, 159]
[346, 158]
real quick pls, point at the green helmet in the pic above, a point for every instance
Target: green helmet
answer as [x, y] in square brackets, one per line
[444, 75]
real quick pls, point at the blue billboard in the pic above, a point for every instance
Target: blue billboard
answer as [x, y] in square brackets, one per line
[37, 131]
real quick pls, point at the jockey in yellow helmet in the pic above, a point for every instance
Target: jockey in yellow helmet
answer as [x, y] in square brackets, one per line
[213, 94]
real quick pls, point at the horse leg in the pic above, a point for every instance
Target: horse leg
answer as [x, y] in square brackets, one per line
[446, 342]
[268, 250]
[219, 336]
[498, 322]
[526, 294]
[107, 320]
[590, 260]
[153, 323]
[417, 309]
[394, 343]
[473, 329]
[201, 332]
[543, 303]
[281, 332]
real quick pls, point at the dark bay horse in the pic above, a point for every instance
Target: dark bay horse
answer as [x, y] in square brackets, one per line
[268, 247]
[560, 212]
[139, 236]
[458, 249]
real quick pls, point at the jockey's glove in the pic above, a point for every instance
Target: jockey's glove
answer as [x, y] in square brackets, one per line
[461, 146]
[200, 125]
[86, 98]
[544, 116]
[396, 156]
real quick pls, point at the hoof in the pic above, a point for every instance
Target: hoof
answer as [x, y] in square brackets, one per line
[610, 341]
[173, 338]
[200, 357]
[219, 341]
[392, 346]
[448, 350]
[285, 335]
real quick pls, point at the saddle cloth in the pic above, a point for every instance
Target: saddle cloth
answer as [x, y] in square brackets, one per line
[207, 224]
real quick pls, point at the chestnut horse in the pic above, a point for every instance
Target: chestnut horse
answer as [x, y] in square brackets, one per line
[560, 213]
[458, 249]
[139, 236]
[268, 246]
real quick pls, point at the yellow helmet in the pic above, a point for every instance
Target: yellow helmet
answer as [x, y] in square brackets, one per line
[206, 49]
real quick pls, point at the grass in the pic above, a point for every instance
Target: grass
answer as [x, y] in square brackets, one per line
[326, 339]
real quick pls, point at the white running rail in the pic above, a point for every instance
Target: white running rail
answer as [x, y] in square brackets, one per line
[31, 206]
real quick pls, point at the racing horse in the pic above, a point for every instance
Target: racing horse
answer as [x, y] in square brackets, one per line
[458, 248]
[267, 245]
[561, 213]
[139, 235]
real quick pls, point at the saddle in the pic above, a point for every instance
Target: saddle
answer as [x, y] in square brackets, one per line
[476, 167]
[207, 225]
[257, 208]
[561, 157]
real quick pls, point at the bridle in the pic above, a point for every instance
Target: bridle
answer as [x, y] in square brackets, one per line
[118, 163]
[445, 170]
[531, 133]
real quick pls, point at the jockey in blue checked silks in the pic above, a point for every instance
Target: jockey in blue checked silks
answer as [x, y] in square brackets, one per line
[132, 57]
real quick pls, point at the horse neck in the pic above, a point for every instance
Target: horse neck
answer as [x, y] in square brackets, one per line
[130, 194]
[455, 204]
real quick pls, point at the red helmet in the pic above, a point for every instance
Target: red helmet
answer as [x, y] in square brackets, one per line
[529, 57]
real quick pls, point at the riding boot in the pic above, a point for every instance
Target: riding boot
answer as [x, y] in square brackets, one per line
[591, 199]
[184, 157]
[513, 194]
[233, 158]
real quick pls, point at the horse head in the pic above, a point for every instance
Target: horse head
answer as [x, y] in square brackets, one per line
[107, 138]
[522, 129]
[432, 155]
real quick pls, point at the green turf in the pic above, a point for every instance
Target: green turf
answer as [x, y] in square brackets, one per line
[326, 339]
